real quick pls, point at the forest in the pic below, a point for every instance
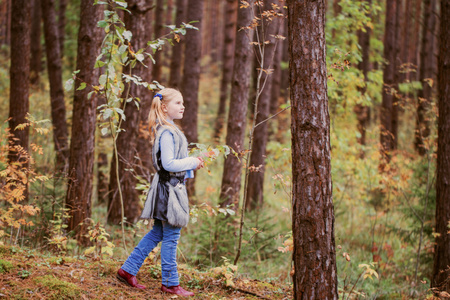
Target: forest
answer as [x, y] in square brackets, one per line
[324, 126]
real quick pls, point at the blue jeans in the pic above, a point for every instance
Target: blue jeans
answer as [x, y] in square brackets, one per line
[169, 235]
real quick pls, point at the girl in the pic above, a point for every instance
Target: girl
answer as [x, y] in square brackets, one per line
[167, 201]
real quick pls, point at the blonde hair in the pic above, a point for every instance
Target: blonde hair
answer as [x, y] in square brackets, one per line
[156, 117]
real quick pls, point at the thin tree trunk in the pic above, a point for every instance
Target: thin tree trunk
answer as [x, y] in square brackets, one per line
[276, 80]
[441, 269]
[237, 117]
[54, 66]
[36, 49]
[260, 135]
[127, 141]
[227, 63]
[386, 134]
[313, 214]
[191, 77]
[19, 73]
[414, 42]
[177, 49]
[363, 111]
[426, 74]
[158, 29]
[81, 161]
[396, 109]
[62, 25]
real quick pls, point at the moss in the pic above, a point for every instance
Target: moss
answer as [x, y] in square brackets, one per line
[105, 267]
[61, 289]
[5, 266]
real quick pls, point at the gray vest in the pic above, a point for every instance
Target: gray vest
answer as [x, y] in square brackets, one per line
[178, 202]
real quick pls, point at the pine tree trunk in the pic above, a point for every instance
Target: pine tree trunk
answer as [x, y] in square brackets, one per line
[414, 42]
[363, 111]
[81, 157]
[54, 66]
[227, 63]
[62, 25]
[260, 135]
[191, 77]
[127, 141]
[396, 109]
[158, 29]
[426, 73]
[386, 134]
[177, 49]
[19, 73]
[36, 49]
[441, 270]
[313, 217]
[237, 117]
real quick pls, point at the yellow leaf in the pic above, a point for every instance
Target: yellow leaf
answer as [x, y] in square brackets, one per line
[89, 250]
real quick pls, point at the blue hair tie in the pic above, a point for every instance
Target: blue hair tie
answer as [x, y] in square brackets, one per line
[159, 95]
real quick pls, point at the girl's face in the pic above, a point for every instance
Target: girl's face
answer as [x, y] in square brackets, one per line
[174, 109]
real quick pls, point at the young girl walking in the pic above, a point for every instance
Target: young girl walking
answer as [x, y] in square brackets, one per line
[167, 201]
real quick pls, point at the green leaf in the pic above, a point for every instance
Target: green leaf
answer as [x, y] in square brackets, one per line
[82, 86]
[69, 84]
[140, 57]
[102, 79]
[104, 131]
[127, 35]
[102, 24]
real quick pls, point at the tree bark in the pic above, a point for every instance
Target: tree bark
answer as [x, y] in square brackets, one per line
[191, 77]
[177, 49]
[54, 66]
[127, 141]
[81, 161]
[426, 73]
[227, 63]
[313, 217]
[260, 135]
[396, 104]
[19, 73]
[5, 21]
[237, 117]
[386, 133]
[363, 111]
[36, 49]
[62, 25]
[414, 42]
[158, 29]
[441, 269]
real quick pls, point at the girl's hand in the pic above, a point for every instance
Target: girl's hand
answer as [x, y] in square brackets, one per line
[201, 163]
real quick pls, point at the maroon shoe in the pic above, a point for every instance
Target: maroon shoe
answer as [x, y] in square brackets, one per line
[129, 279]
[177, 290]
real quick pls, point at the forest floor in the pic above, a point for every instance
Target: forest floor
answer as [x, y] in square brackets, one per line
[29, 274]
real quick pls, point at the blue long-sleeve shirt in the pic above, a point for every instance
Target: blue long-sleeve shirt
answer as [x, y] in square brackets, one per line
[169, 163]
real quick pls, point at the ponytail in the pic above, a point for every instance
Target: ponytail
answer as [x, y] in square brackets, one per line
[156, 117]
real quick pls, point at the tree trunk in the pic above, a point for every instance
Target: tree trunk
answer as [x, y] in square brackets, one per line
[396, 109]
[260, 135]
[277, 77]
[215, 20]
[36, 49]
[414, 42]
[237, 117]
[363, 111]
[19, 73]
[441, 270]
[227, 63]
[313, 217]
[177, 49]
[426, 73]
[5, 21]
[81, 158]
[127, 141]
[54, 66]
[158, 29]
[386, 134]
[62, 25]
[191, 77]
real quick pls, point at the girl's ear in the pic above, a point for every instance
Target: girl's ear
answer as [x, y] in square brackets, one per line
[163, 107]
